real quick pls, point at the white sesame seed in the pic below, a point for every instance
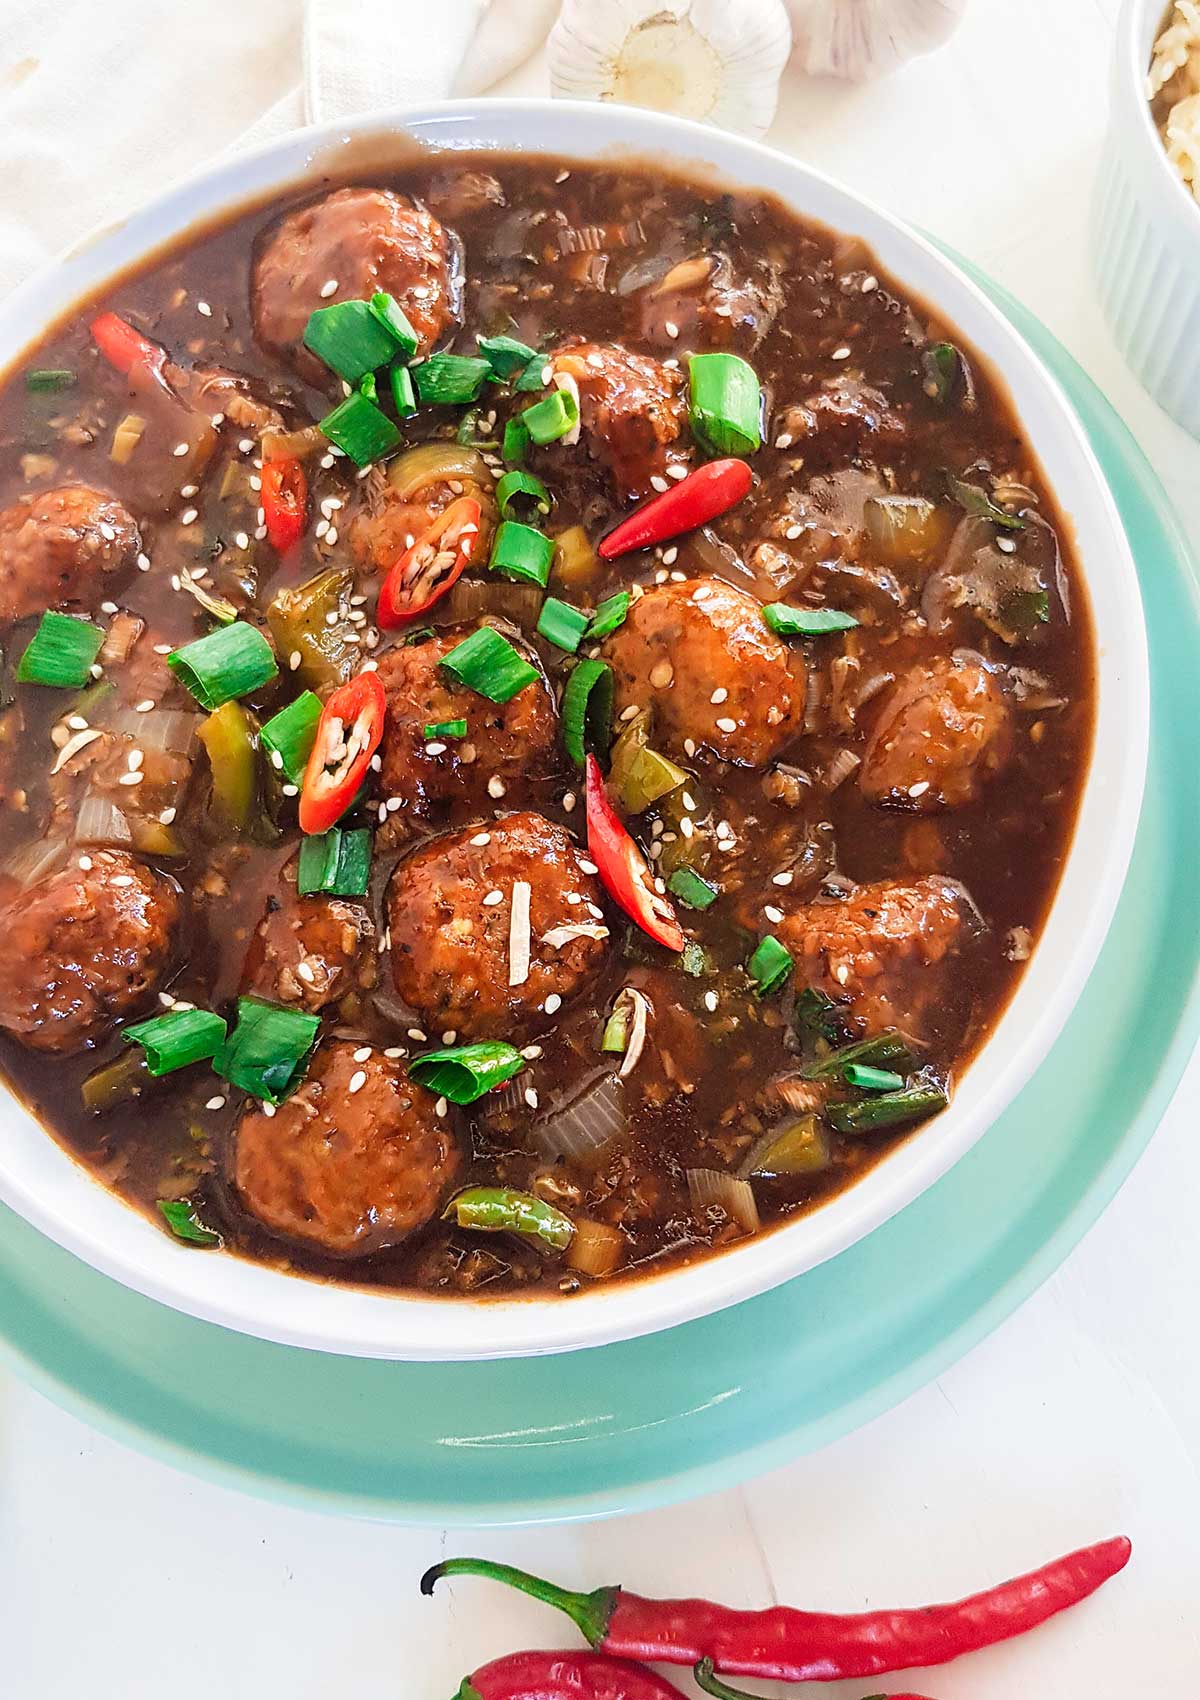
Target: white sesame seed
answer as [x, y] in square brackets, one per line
[842, 353]
[568, 802]
[492, 898]
[189, 516]
[167, 816]
[784, 878]
[587, 867]
[671, 328]
[562, 176]
[122, 879]
[305, 970]
[772, 914]
[294, 660]
[85, 862]
[179, 450]
[357, 1080]
[217, 1103]
[187, 490]
[96, 671]
[108, 607]
[77, 723]
[719, 695]
[661, 576]
[255, 483]
[629, 713]
[326, 462]
[435, 748]
[710, 1001]
[290, 790]
[495, 786]
[449, 1036]
[268, 1109]
[242, 540]
[670, 556]
[1006, 545]
[552, 1003]
[919, 789]
[218, 419]
[657, 482]
[869, 283]
[685, 826]
[689, 746]
[783, 440]
[143, 563]
[417, 1034]
[131, 779]
[204, 308]
[394, 1052]
[725, 724]
[531, 1097]
[676, 470]
[531, 1052]
[144, 706]
[328, 288]
[246, 445]
[440, 1108]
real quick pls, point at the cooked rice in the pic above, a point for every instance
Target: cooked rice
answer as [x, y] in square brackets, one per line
[1173, 89]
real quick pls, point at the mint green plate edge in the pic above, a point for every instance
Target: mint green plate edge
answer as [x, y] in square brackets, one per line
[1137, 491]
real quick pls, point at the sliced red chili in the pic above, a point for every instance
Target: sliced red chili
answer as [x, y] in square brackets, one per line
[705, 494]
[348, 735]
[427, 570]
[284, 501]
[123, 346]
[623, 870]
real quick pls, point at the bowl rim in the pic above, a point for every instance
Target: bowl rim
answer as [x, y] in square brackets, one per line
[1138, 27]
[237, 1293]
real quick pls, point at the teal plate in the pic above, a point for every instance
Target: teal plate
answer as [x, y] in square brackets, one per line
[664, 1418]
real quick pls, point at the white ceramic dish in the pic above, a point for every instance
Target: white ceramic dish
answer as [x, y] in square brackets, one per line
[1147, 233]
[45, 1185]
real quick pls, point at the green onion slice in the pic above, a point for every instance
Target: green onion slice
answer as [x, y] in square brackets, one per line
[266, 1053]
[498, 1210]
[506, 356]
[877, 1051]
[871, 1079]
[616, 1029]
[48, 380]
[515, 446]
[446, 729]
[888, 1109]
[337, 862]
[60, 652]
[587, 704]
[726, 404]
[394, 320]
[178, 1038]
[181, 1217]
[519, 551]
[450, 379]
[806, 622]
[404, 397]
[515, 484]
[360, 429]
[609, 615]
[488, 663]
[368, 387]
[974, 500]
[464, 1073]
[227, 663]
[350, 339]
[816, 1016]
[534, 377]
[288, 736]
[687, 885]
[940, 366]
[552, 417]
[769, 966]
[562, 625]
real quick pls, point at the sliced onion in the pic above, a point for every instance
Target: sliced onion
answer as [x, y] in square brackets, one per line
[596, 1250]
[120, 638]
[707, 1187]
[587, 1124]
[169, 731]
[101, 822]
[840, 768]
[436, 463]
[31, 862]
[639, 1016]
[557, 937]
[471, 598]
[518, 933]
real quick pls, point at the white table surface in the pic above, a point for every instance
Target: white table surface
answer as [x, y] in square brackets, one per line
[1079, 1418]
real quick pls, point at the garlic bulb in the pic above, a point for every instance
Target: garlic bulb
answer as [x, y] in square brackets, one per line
[718, 60]
[868, 38]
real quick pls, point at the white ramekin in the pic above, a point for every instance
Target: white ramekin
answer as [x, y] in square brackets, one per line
[1147, 233]
[40, 1180]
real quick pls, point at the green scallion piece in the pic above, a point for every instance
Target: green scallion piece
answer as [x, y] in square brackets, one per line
[871, 1079]
[360, 429]
[184, 1222]
[519, 551]
[587, 704]
[505, 355]
[815, 1015]
[940, 366]
[266, 1053]
[350, 339]
[516, 484]
[288, 736]
[47, 380]
[534, 377]
[769, 966]
[368, 387]
[562, 625]
[552, 417]
[787, 621]
[227, 663]
[337, 862]
[609, 615]
[486, 662]
[394, 320]
[446, 729]
[61, 652]
[889, 1109]
[404, 397]
[500, 1210]
[463, 1073]
[875, 1052]
[687, 885]
[726, 404]
[515, 445]
[616, 1029]
[450, 379]
[420, 635]
[178, 1038]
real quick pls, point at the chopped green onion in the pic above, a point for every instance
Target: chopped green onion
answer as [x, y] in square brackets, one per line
[505, 355]
[360, 429]
[497, 1210]
[516, 441]
[288, 736]
[266, 1053]
[889, 1109]
[806, 622]
[488, 663]
[726, 404]
[609, 615]
[394, 320]
[695, 960]
[552, 417]
[404, 397]
[519, 551]
[337, 862]
[871, 1079]
[49, 380]
[179, 1037]
[349, 338]
[463, 1073]
[616, 1029]
[534, 375]
[227, 663]
[181, 1217]
[450, 378]
[60, 652]
[881, 1048]
[587, 703]
[419, 636]
[687, 885]
[562, 625]
[515, 484]
[368, 387]
[974, 500]
[940, 366]
[769, 966]
[816, 1015]
[446, 729]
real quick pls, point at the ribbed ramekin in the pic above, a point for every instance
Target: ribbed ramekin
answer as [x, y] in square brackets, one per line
[1147, 233]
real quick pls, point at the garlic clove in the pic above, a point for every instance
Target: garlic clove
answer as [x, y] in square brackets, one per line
[714, 60]
[859, 39]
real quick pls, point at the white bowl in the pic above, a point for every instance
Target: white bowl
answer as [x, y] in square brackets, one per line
[1146, 241]
[38, 1178]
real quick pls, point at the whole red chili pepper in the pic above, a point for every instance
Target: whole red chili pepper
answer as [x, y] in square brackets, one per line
[711, 490]
[565, 1676]
[712, 1684]
[784, 1645]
